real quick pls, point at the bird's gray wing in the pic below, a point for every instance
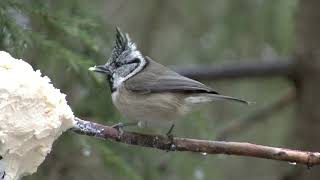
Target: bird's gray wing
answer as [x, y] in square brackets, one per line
[158, 78]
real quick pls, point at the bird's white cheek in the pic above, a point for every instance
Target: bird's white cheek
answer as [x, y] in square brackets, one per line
[118, 80]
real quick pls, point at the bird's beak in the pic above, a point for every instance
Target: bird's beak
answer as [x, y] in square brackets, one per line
[100, 69]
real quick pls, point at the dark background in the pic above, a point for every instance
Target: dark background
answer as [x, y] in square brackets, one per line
[64, 38]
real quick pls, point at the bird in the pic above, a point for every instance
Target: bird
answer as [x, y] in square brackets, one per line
[148, 93]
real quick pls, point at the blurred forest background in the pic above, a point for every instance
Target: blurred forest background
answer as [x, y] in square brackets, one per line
[64, 38]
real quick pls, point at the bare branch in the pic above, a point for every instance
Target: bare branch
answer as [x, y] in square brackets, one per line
[194, 145]
[246, 69]
[238, 125]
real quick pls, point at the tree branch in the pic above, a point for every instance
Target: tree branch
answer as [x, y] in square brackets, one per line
[194, 145]
[279, 67]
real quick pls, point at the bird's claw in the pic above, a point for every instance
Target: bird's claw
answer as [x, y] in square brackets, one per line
[119, 127]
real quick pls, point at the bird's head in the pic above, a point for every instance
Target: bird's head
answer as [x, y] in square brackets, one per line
[125, 60]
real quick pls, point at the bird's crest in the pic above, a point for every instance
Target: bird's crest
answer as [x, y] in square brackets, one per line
[122, 43]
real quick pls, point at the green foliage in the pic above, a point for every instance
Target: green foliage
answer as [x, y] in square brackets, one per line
[115, 161]
[73, 39]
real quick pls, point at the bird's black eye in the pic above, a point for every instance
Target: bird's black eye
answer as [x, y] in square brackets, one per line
[118, 64]
[135, 60]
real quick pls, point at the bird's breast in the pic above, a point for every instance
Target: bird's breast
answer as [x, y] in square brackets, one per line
[156, 107]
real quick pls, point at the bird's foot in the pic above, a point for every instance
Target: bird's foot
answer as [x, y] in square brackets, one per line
[120, 126]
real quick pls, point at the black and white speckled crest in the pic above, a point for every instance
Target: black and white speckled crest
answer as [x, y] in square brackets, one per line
[123, 44]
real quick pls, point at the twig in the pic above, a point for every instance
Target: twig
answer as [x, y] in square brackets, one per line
[194, 145]
[245, 69]
[238, 125]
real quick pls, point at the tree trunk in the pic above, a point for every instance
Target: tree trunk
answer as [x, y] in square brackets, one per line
[306, 130]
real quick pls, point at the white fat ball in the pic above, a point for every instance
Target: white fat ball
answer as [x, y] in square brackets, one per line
[33, 114]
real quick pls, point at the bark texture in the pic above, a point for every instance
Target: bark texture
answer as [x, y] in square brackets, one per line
[195, 145]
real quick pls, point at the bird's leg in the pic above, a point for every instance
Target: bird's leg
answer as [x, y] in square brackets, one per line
[170, 137]
[169, 133]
